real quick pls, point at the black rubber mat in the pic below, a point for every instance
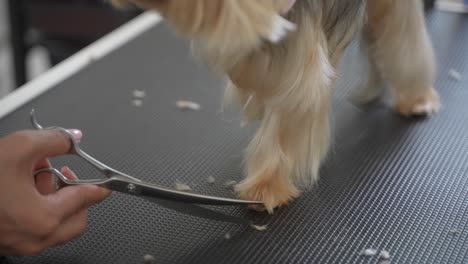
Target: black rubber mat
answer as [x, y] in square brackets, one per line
[390, 183]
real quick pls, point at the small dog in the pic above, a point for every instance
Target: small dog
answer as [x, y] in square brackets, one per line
[280, 57]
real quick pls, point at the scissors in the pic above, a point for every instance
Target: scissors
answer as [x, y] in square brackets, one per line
[183, 202]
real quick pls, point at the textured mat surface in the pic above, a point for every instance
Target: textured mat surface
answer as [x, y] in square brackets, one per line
[390, 183]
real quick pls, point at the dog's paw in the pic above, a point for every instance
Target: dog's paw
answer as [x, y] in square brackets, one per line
[272, 191]
[423, 105]
[280, 29]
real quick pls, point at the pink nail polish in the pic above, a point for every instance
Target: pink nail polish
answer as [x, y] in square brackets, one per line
[77, 134]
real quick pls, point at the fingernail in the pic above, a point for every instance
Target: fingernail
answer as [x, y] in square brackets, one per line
[64, 169]
[77, 134]
[106, 192]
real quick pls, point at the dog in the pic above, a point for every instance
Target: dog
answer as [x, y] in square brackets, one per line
[280, 58]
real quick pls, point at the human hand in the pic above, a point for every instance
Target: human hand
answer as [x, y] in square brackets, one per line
[34, 215]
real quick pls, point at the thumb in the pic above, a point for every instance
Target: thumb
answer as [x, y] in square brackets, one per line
[72, 199]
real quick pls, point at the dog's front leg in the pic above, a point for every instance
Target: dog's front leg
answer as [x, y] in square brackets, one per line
[294, 90]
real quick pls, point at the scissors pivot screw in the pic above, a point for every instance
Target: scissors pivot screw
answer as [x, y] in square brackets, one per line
[131, 188]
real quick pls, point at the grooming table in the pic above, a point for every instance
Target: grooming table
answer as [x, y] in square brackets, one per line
[389, 182]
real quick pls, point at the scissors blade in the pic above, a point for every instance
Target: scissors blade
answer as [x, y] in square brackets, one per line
[198, 211]
[143, 189]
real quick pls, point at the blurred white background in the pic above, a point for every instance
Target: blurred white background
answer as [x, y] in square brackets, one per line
[37, 59]
[6, 80]
[47, 32]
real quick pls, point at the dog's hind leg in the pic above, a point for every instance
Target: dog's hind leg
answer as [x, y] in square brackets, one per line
[399, 45]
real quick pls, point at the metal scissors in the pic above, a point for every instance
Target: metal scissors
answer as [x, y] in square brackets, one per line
[118, 181]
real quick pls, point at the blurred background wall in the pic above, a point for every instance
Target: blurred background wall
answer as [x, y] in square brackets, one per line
[38, 34]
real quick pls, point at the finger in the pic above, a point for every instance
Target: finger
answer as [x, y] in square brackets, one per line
[43, 163]
[27, 248]
[45, 183]
[67, 172]
[71, 199]
[72, 228]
